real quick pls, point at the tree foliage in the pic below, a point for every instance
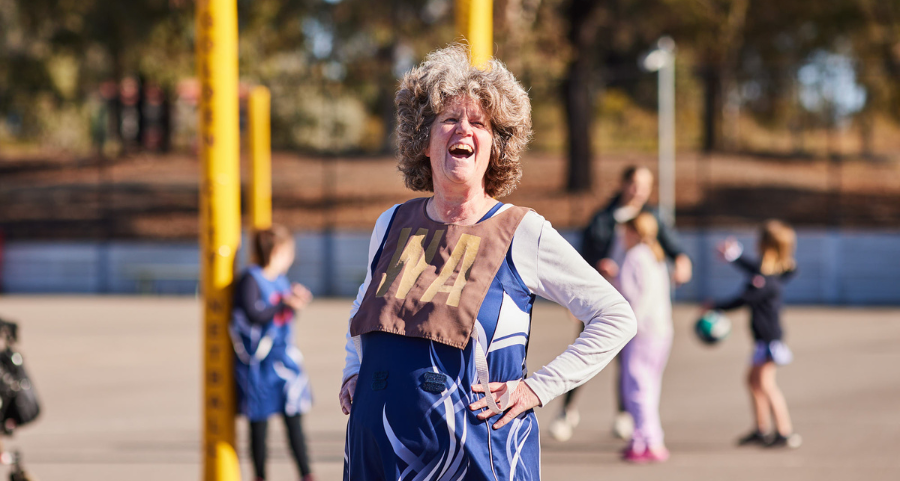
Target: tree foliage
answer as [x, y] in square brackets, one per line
[333, 65]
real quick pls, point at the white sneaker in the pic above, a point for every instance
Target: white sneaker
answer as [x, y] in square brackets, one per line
[564, 426]
[560, 430]
[623, 426]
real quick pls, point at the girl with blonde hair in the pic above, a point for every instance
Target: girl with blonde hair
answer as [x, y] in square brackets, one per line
[762, 294]
[644, 282]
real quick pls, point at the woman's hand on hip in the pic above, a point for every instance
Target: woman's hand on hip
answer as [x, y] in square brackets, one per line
[520, 400]
[346, 395]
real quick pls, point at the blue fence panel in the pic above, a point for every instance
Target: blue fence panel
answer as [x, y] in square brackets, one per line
[51, 267]
[835, 267]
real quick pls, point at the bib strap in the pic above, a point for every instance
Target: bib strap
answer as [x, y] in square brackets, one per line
[481, 369]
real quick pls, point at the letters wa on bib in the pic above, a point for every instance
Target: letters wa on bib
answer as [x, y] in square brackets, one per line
[447, 306]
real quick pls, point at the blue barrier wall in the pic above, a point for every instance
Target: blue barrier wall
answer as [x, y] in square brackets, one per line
[836, 267]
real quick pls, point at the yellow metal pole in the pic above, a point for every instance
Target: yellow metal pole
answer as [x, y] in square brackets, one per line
[462, 18]
[475, 21]
[220, 224]
[481, 31]
[260, 159]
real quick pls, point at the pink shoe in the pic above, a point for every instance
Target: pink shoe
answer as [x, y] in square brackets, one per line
[636, 457]
[657, 455]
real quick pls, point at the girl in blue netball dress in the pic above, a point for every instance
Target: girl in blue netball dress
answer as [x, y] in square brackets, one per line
[444, 314]
[269, 370]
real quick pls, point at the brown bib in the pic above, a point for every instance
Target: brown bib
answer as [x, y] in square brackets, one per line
[432, 278]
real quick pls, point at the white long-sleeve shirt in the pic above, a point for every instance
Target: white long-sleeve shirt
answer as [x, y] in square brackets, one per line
[551, 268]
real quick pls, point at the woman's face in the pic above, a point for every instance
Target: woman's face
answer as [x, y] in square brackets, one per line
[638, 191]
[460, 146]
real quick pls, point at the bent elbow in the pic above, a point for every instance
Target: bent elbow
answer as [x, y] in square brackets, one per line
[630, 326]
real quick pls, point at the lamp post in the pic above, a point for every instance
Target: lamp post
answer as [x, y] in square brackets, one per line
[662, 60]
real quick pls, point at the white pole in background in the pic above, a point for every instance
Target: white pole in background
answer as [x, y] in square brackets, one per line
[662, 60]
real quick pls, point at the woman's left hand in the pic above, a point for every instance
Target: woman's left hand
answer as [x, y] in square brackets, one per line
[520, 400]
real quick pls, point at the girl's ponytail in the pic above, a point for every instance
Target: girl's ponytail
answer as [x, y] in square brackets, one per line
[647, 229]
[777, 242]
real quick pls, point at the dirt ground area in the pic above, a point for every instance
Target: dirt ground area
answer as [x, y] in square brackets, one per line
[120, 383]
[156, 196]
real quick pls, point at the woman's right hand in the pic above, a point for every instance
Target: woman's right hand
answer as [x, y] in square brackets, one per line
[346, 396]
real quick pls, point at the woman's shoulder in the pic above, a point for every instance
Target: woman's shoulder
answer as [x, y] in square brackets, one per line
[384, 220]
[532, 223]
[387, 214]
[536, 234]
[530, 215]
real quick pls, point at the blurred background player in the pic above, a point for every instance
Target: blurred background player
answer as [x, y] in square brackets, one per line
[644, 281]
[603, 247]
[19, 404]
[269, 368]
[763, 294]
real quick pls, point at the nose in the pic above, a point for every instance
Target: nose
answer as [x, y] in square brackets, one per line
[463, 126]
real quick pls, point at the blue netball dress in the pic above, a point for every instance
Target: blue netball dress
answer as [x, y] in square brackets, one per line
[440, 297]
[269, 370]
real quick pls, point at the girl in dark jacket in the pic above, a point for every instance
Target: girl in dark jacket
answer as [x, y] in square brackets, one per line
[762, 294]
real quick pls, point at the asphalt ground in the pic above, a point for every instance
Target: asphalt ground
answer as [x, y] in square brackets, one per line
[119, 379]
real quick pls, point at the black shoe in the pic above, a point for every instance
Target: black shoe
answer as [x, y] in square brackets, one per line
[755, 438]
[789, 441]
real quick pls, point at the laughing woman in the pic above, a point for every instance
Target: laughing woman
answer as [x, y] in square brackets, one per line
[444, 314]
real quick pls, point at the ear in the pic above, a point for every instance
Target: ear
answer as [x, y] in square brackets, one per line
[426, 146]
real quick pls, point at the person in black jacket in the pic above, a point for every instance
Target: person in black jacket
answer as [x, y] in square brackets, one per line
[762, 294]
[602, 246]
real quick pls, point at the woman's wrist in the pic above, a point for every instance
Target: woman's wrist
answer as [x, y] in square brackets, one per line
[348, 378]
[530, 384]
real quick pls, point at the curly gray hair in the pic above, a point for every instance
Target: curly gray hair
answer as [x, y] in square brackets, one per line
[448, 73]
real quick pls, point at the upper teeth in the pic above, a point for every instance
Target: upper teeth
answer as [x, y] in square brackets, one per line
[461, 147]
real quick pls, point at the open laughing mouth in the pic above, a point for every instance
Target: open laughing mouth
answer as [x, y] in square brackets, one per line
[461, 150]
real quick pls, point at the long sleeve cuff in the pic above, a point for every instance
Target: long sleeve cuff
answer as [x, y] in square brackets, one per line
[544, 395]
